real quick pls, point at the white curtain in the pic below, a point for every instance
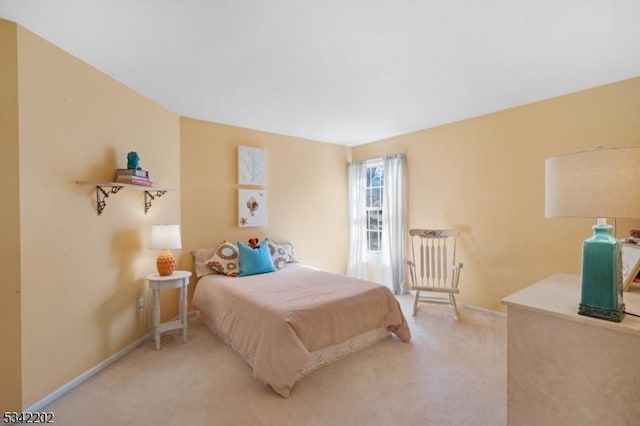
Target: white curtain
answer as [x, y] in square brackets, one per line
[357, 181]
[392, 265]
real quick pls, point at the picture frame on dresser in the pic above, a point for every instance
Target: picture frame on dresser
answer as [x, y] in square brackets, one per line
[630, 264]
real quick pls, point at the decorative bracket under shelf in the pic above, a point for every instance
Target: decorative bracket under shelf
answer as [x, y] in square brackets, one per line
[102, 195]
[105, 189]
[149, 197]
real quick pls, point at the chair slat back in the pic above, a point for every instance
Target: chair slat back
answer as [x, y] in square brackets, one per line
[433, 253]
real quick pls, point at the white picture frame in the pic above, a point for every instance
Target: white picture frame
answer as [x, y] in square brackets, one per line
[252, 166]
[252, 208]
[630, 264]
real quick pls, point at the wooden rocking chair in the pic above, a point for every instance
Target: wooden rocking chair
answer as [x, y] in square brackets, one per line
[433, 266]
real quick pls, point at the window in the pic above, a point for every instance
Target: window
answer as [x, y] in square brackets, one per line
[375, 183]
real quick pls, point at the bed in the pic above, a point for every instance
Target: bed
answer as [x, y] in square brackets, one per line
[288, 323]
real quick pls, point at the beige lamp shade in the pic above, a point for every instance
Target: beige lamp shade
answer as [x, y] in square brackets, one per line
[165, 237]
[602, 183]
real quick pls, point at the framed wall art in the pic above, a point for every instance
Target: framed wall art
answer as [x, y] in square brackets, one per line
[252, 166]
[630, 264]
[252, 208]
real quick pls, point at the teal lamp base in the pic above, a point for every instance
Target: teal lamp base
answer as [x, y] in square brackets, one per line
[602, 275]
[615, 315]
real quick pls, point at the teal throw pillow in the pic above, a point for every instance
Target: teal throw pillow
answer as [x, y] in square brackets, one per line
[254, 261]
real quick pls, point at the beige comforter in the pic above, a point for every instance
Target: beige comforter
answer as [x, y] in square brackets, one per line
[275, 320]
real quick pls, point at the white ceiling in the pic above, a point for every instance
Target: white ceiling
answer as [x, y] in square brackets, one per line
[344, 71]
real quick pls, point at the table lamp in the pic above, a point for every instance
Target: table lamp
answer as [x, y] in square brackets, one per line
[602, 183]
[165, 237]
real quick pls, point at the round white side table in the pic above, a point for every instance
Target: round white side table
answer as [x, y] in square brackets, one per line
[157, 282]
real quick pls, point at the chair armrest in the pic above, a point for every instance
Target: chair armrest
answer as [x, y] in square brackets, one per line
[412, 272]
[455, 270]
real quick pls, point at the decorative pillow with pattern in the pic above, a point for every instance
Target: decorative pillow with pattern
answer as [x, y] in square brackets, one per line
[288, 248]
[279, 254]
[225, 259]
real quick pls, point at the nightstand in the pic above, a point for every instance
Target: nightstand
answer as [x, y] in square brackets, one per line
[179, 279]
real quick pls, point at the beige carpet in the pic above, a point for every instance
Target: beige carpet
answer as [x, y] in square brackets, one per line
[452, 373]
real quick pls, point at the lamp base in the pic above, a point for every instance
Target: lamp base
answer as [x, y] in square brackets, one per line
[165, 263]
[602, 275]
[614, 315]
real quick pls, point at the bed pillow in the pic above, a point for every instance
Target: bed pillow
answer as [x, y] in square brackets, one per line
[225, 259]
[200, 257]
[279, 254]
[254, 261]
[282, 249]
[288, 248]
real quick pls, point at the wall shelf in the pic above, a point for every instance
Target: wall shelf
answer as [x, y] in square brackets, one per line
[106, 189]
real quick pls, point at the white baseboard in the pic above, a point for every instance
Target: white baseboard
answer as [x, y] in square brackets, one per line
[475, 308]
[40, 405]
[483, 310]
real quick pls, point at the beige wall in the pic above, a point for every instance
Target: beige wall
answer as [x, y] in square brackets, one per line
[73, 278]
[485, 177]
[306, 192]
[82, 273]
[10, 349]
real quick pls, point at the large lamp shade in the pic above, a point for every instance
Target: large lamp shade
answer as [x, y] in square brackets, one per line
[598, 183]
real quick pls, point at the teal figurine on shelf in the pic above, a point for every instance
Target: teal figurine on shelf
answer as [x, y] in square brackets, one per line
[133, 161]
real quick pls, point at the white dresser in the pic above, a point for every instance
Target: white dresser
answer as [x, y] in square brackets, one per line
[568, 369]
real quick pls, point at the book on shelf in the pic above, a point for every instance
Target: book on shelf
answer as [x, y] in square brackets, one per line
[132, 172]
[134, 180]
